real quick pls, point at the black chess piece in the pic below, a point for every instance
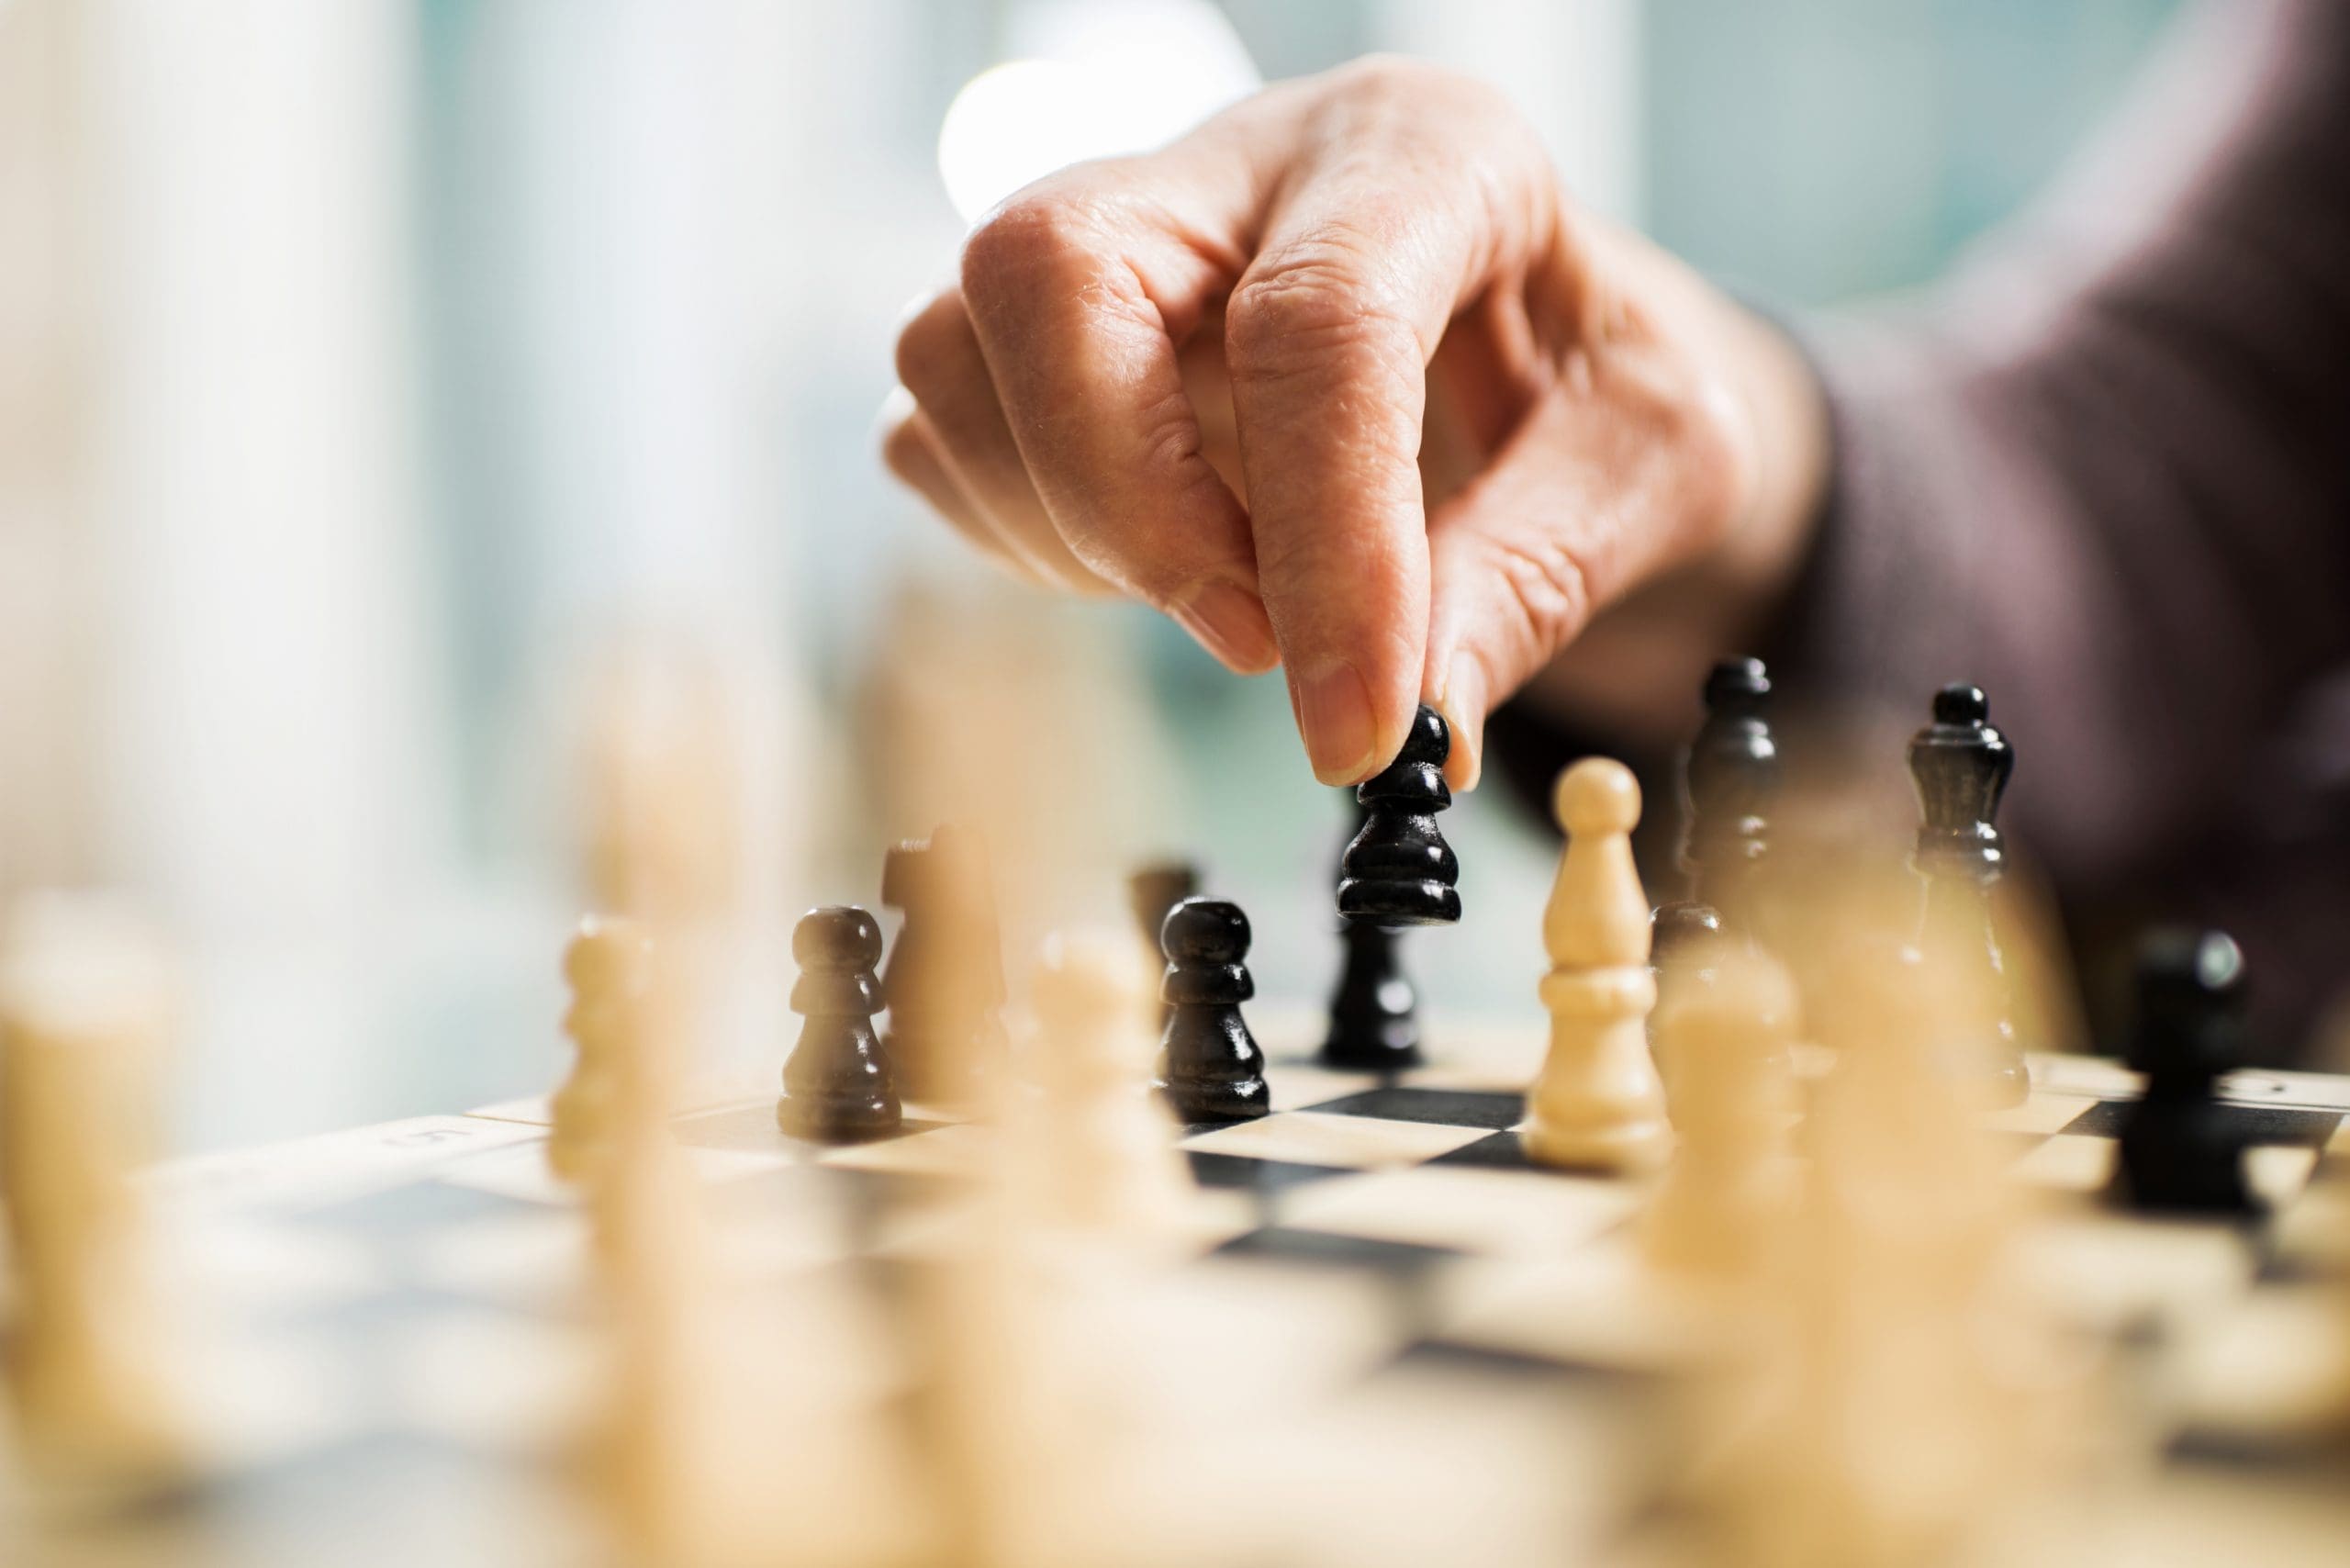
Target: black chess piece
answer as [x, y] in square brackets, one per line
[1154, 890]
[2177, 1152]
[1374, 1023]
[1730, 782]
[837, 1085]
[1213, 1070]
[1960, 766]
[1683, 931]
[945, 980]
[1399, 870]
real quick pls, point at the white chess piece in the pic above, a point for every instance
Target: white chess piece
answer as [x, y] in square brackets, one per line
[1109, 1160]
[83, 1014]
[1597, 1103]
[1732, 1093]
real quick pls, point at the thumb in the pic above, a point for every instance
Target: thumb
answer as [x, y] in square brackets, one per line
[1628, 465]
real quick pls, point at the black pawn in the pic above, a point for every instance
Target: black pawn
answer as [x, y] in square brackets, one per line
[1399, 870]
[1213, 1070]
[837, 1086]
[1374, 1024]
[944, 985]
[1960, 766]
[2178, 1153]
[1152, 892]
[1729, 783]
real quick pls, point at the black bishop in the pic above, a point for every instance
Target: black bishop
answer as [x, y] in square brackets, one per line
[1960, 766]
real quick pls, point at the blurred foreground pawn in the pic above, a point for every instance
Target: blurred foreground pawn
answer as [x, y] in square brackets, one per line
[2178, 1153]
[1729, 783]
[1108, 1161]
[1597, 1103]
[1150, 893]
[944, 985]
[1960, 766]
[1685, 948]
[838, 1087]
[82, 1013]
[1915, 1386]
[1213, 1070]
[1731, 1088]
[608, 966]
[1399, 870]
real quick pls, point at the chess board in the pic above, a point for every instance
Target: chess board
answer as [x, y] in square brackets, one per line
[395, 1322]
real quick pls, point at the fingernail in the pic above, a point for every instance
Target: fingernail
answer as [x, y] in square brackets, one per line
[1230, 622]
[1334, 713]
[1462, 700]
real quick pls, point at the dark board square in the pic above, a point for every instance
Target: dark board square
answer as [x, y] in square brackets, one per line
[1288, 1244]
[1238, 1173]
[1451, 1357]
[1440, 1107]
[1494, 1152]
[2249, 1125]
[754, 1127]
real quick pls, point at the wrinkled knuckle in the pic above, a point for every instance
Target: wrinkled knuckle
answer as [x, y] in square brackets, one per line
[1549, 585]
[1313, 306]
[1050, 242]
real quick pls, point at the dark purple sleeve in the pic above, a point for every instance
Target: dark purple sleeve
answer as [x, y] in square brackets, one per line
[2105, 472]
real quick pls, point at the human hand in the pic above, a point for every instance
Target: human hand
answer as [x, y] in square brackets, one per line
[1343, 381]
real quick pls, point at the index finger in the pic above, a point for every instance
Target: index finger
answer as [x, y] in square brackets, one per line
[1413, 194]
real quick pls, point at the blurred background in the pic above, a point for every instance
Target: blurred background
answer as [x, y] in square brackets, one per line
[373, 373]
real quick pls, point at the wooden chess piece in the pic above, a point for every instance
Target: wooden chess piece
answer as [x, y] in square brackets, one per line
[1399, 870]
[1213, 1070]
[83, 1014]
[1597, 1103]
[608, 966]
[1151, 891]
[944, 985]
[1729, 1079]
[838, 1086]
[1960, 766]
[1110, 1160]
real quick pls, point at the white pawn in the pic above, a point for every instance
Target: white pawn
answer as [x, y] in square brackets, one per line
[1732, 1093]
[1597, 1103]
[608, 966]
[83, 1010]
[1105, 1145]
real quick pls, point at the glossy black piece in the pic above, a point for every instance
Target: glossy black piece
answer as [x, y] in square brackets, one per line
[1399, 870]
[1154, 890]
[2179, 1151]
[1730, 782]
[1374, 1024]
[1675, 928]
[1960, 767]
[945, 980]
[838, 1087]
[1212, 1070]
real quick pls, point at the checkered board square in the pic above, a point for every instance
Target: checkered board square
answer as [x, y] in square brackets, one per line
[426, 1285]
